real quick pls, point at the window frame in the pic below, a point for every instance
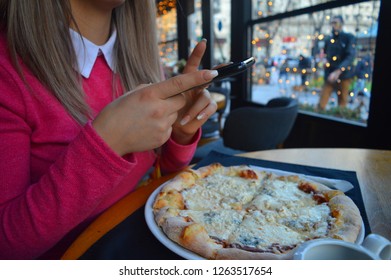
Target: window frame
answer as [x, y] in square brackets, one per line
[375, 134]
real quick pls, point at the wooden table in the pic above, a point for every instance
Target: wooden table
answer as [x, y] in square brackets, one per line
[373, 168]
[219, 98]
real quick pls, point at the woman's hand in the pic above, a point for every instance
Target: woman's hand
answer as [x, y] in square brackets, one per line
[143, 119]
[199, 104]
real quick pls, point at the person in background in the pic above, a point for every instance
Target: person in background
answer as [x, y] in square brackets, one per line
[340, 50]
[84, 114]
[284, 70]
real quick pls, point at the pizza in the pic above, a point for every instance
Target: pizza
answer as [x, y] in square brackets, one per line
[244, 212]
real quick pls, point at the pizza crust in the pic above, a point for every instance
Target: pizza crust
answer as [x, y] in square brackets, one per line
[348, 219]
[192, 236]
[193, 210]
[238, 254]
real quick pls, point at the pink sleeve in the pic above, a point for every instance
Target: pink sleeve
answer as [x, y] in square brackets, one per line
[35, 216]
[175, 156]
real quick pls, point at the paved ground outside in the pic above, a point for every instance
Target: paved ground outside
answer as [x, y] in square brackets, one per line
[263, 93]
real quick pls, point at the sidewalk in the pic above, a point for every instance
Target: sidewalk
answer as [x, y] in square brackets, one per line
[263, 93]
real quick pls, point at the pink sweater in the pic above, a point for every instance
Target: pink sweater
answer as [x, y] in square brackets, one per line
[56, 176]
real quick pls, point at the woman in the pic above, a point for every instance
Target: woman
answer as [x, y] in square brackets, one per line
[80, 121]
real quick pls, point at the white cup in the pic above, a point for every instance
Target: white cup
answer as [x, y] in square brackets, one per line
[374, 247]
[379, 245]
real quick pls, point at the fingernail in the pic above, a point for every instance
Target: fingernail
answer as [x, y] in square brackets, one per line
[210, 74]
[185, 120]
[204, 40]
[200, 116]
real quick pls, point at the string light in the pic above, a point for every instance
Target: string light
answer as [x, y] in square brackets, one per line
[164, 6]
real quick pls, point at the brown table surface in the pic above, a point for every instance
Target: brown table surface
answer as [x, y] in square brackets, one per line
[373, 169]
[219, 98]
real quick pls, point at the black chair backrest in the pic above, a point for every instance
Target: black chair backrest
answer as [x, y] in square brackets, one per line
[253, 128]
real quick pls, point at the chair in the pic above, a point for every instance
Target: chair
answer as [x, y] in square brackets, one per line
[254, 127]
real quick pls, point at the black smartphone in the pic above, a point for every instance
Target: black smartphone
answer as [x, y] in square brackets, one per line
[234, 69]
[230, 70]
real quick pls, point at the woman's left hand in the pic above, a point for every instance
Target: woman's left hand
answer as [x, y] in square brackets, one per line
[199, 104]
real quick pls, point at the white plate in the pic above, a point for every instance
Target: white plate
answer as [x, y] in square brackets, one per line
[160, 235]
[175, 247]
[361, 234]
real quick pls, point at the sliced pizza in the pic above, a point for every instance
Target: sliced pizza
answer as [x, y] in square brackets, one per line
[240, 212]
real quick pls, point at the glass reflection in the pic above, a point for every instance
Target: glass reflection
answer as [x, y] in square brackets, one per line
[291, 60]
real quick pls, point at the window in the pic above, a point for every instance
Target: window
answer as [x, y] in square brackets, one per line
[222, 31]
[291, 59]
[168, 37]
[265, 8]
[221, 19]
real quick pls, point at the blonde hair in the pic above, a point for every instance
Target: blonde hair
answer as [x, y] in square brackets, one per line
[38, 33]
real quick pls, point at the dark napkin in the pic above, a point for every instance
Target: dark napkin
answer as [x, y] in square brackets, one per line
[132, 239]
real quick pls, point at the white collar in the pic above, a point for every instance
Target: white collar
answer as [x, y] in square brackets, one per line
[87, 52]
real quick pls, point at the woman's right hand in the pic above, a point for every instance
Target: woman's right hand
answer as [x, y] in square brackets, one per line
[142, 119]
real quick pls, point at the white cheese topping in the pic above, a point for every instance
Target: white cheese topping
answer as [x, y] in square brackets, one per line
[258, 232]
[220, 192]
[262, 215]
[218, 224]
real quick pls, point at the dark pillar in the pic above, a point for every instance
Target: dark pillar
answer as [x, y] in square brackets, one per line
[240, 49]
